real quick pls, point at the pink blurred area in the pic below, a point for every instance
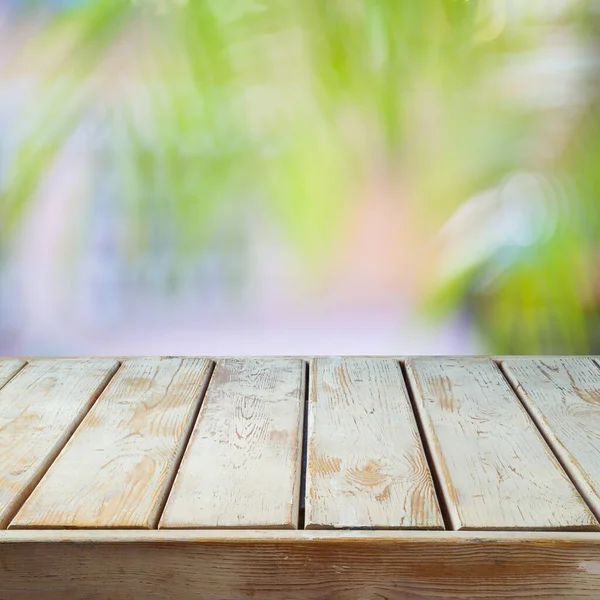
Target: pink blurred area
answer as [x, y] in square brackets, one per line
[86, 305]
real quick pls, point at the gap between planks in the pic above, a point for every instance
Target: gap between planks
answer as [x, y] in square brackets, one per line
[366, 462]
[322, 533]
[437, 484]
[18, 369]
[515, 385]
[250, 426]
[304, 457]
[183, 439]
[187, 436]
[438, 468]
[52, 456]
[303, 475]
[307, 381]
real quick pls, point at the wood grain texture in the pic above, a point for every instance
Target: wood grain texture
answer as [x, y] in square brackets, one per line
[495, 470]
[242, 466]
[8, 368]
[342, 568]
[40, 407]
[563, 398]
[366, 465]
[117, 468]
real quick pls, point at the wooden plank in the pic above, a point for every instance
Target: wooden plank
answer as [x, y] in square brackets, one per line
[563, 398]
[349, 568]
[9, 367]
[242, 466]
[39, 410]
[495, 470]
[118, 467]
[274, 536]
[366, 465]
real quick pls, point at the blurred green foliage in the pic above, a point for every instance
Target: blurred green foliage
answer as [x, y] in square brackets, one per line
[209, 107]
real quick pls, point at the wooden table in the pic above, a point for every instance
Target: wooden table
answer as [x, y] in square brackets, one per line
[303, 478]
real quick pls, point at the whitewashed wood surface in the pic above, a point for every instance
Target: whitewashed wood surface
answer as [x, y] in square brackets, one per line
[366, 465]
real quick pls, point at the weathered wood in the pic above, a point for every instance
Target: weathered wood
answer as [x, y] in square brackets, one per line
[118, 467]
[366, 465]
[563, 398]
[495, 470]
[244, 535]
[345, 567]
[242, 466]
[8, 368]
[40, 407]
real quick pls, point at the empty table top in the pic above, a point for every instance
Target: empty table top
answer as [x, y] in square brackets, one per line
[408, 443]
